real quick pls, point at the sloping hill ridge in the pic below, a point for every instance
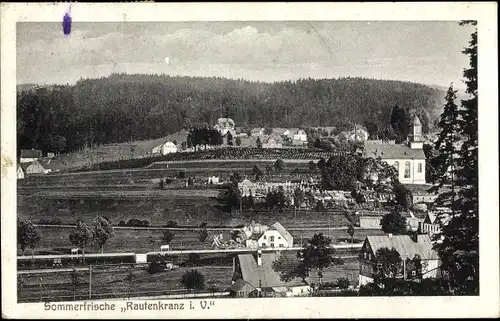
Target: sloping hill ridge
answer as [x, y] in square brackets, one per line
[123, 107]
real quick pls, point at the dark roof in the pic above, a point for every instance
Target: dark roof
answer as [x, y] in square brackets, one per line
[252, 273]
[31, 153]
[239, 285]
[25, 166]
[405, 246]
[287, 236]
[53, 164]
[391, 151]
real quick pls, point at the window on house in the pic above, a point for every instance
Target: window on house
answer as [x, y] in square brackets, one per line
[264, 237]
[281, 245]
[413, 273]
[419, 170]
[279, 237]
[396, 166]
[364, 255]
[369, 256]
[264, 245]
[271, 238]
[407, 170]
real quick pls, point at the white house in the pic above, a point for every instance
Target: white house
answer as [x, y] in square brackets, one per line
[36, 167]
[214, 180]
[408, 159]
[247, 187]
[225, 125]
[166, 148]
[276, 237]
[431, 224]
[20, 172]
[256, 132]
[407, 248]
[272, 142]
[300, 135]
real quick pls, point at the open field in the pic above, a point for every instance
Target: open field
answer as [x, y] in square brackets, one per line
[126, 280]
[186, 211]
[228, 153]
[115, 283]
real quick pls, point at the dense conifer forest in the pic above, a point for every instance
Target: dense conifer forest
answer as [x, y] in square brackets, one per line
[125, 107]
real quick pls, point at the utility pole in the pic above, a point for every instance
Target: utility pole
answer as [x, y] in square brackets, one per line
[90, 281]
[404, 268]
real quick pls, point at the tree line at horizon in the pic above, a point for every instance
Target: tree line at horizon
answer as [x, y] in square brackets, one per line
[122, 108]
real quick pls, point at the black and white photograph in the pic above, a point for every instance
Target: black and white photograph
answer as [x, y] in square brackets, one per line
[170, 166]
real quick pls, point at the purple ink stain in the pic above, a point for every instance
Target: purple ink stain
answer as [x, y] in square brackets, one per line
[66, 24]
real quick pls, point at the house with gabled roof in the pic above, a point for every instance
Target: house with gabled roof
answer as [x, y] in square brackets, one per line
[433, 221]
[166, 148]
[275, 237]
[254, 276]
[256, 132]
[408, 247]
[37, 167]
[272, 142]
[225, 125]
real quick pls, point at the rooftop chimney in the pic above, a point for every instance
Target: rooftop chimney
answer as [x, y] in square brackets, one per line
[259, 257]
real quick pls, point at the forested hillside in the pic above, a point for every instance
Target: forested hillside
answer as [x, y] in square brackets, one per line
[131, 107]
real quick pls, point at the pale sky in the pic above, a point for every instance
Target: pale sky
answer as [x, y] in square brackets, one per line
[425, 52]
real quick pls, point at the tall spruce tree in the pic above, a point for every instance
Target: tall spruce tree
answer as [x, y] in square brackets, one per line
[459, 249]
[446, 148]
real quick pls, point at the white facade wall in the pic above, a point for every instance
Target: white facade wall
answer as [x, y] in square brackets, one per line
[416, 170]
[430, 269]
[27, 159]
[364, 280]
[430, 228]
[168, 148]
[272, 238]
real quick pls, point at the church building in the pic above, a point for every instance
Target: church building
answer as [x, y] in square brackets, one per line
[408, 158]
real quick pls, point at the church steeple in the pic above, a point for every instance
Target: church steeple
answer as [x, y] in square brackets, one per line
[416, 141]
[417, 129]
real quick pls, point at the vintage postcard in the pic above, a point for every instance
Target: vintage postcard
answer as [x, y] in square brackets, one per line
[249, 160]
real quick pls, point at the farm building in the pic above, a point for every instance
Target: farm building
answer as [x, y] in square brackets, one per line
[431, 223]
[255, 277]
[247, 187]
[284, 132]
[20, 172]
[225, 125]
[30, 155]
[359, 134]
[276, 236]
[259, 131]
[272, 142]
[214, 180]
[37, 167]
[407, 247]
[420, 193]
[408, 159]
[300, 135]
[164, 149]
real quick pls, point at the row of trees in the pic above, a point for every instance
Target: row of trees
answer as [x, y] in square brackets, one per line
[456, 164]
[124, 107]
[83, 235]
